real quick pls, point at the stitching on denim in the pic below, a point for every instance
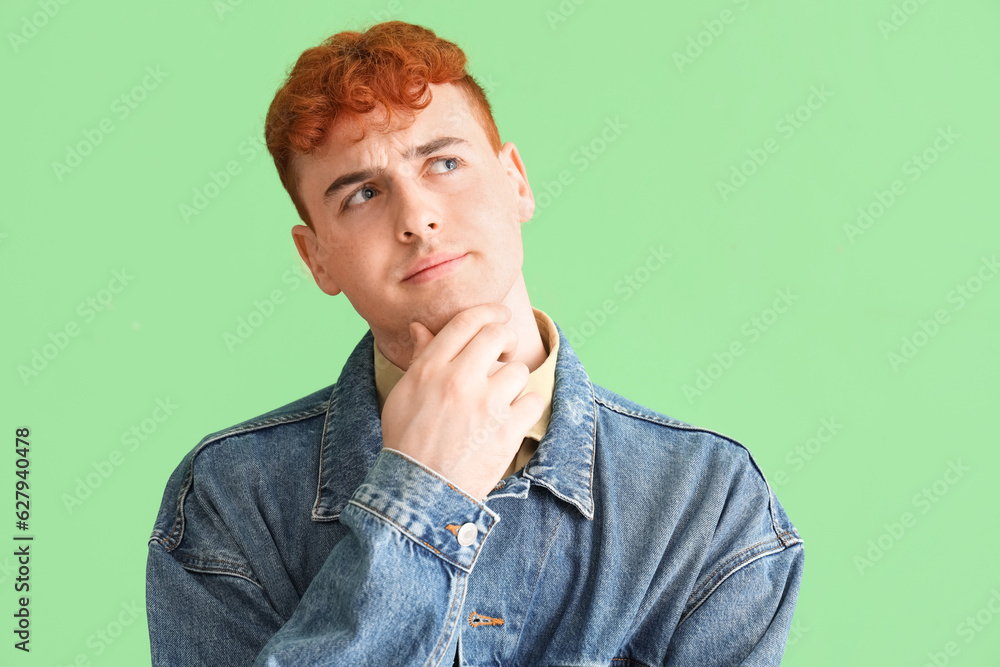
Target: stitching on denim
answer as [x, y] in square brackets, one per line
[541, 564]
[252, 425]
[171, 542]
[558, 494]
[640, 415]
[193, 560]
[192, 568]
[476, 620]
[196, 565]
[412, 536]
[452, 612]
[455, 488]
[410, 459]
[322, 455]
[725, 563]
[430, 659]
[739, 567]
[681, 426]
[593, 445]
[453, 527]
[699, 592]
[671, 423]
[590, 473]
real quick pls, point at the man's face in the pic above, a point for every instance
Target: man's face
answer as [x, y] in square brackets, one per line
[434, 187]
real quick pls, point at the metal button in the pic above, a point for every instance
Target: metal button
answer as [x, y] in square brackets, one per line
[467, 534]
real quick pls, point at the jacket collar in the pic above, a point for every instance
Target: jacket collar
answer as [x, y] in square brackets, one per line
[352, 434]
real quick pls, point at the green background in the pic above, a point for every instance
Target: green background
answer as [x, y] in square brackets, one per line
[848, 437]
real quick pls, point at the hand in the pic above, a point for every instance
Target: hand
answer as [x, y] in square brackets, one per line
[449, 414]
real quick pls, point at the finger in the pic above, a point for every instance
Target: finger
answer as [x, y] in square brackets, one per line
[492, 342]
[510, 380]
[456, 334]
[527, 410]
[421, 337]
[508, 355]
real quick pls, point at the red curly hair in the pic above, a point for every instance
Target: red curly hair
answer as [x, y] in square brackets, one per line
[350, 74]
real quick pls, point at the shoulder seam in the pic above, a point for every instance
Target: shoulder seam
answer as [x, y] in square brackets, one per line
[782, 546]
[779, 530]
[254, 425]
[173, 539]
[665, 421]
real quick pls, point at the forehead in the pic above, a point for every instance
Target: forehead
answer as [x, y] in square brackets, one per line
[447, 114]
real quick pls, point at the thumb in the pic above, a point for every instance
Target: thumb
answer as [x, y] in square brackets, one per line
[421, 337]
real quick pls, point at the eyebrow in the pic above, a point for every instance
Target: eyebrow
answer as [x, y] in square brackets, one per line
[363, 175]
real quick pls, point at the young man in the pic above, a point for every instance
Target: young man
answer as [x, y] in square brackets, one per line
[463, 494]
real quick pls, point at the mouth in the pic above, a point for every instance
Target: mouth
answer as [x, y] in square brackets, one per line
[431, 267]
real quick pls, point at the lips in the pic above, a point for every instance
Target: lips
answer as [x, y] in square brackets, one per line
[431, 261]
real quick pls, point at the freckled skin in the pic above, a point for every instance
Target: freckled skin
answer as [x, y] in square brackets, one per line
[474, 203]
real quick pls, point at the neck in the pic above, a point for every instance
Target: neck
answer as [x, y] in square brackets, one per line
[398, 348]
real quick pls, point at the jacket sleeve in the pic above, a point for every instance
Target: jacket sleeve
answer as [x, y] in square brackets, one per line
[745, 620]
[390, 592]
[741, 562]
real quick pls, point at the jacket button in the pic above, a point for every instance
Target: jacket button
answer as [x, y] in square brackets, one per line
[467, 534]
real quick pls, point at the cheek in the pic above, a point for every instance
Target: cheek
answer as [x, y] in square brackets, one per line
[341, 261]
[493, 204]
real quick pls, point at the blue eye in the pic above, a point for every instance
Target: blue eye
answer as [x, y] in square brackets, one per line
[446, 160]
[368, 192]
[365, 197]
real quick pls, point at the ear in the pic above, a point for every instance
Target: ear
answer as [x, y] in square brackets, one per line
[313, 255]
[518, 176]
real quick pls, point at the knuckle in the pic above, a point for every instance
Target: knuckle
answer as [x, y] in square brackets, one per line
[420, 372]
[464, 319]
[456, 385]
[495, 330]
[520, 368]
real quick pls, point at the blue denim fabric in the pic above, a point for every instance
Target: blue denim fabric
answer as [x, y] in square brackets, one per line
[629, 539]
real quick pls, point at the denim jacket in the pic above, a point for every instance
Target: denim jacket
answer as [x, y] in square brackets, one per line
[629, 539]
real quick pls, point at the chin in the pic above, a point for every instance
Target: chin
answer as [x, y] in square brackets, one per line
[444, 307]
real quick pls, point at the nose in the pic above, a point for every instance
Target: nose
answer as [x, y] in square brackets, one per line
[417, 216]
